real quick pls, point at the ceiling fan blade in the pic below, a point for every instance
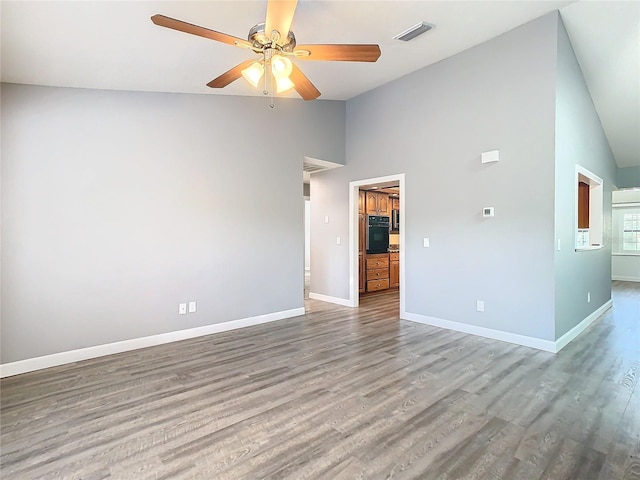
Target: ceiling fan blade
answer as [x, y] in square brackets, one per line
[279, 17]
[229, 76]
[339, 52]
[303, 85]
[174, 24]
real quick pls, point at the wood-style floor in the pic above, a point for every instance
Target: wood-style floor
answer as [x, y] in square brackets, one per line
[337, 394]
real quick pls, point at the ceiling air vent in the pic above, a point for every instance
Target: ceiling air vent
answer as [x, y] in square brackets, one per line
[414, 31]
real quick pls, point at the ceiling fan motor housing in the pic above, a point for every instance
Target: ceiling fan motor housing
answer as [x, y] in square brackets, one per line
[259, 39]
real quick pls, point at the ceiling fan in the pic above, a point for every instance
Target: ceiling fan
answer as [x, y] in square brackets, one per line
[275, 43]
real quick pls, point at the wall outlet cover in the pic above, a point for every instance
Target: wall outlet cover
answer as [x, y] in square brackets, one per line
[192, 307]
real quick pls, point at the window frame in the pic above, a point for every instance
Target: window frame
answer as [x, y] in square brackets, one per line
[619, 210]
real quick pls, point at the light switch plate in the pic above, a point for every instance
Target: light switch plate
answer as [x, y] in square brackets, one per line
[192, 307]
[425, 242]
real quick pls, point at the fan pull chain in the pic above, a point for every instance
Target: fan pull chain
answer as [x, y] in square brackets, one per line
[271, 104]
[266, 90]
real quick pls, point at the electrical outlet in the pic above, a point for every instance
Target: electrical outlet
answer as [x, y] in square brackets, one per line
[338, 241]
[480, 305]
[425, 242]
[588, 297]
[192, 307]
[182, 309]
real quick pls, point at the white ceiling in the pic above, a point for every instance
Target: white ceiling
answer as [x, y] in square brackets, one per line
[114, 45]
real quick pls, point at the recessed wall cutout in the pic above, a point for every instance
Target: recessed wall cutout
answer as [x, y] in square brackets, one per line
[589, 210]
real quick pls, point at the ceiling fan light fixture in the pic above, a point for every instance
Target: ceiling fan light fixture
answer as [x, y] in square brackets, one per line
[281, 66]
[283, 84]
[253, 73]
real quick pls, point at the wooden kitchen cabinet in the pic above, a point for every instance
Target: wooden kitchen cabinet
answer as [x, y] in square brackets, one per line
[362, 242]
[395, 203]
[377, 260]
[362, 273]
[384, 206]
[394, 269]
[377, 272]
[361, 202]
[377, 203]
[362, 233]
[583, 205]
[375, 285]
[371, 203]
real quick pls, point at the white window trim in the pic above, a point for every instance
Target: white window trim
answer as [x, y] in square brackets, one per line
[616, 248]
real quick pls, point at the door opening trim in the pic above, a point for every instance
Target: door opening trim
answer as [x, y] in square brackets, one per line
[354, 294]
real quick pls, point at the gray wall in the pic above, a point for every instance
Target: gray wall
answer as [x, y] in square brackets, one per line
[116, 206]
[628, 177]
[579, 140]
[433, 125]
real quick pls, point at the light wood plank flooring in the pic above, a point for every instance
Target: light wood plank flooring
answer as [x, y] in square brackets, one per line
[337, 394]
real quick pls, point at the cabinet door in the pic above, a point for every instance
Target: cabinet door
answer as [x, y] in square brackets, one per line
[362, 232]
[394, 274]
[371, 203]
[395, 203]
[384, 208]
[583, 205]
[361, 202]
[361, 273]
[375, 285]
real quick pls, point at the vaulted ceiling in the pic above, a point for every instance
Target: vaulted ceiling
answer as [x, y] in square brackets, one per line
[114, 45]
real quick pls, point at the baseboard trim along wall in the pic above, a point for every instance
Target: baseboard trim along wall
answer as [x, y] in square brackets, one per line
[538, 343]
[71, 356]
[625, 279]
[546, 345]
[564, 340]
[326, 298]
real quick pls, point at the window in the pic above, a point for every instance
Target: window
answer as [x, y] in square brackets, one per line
[625, 229]
[589, 209]
[631, 232]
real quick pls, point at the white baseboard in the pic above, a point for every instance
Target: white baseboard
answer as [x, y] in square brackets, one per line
[546, 345]
[326, 298]
[564, 340]
[625, 279]
[538, 343]
[71, 356]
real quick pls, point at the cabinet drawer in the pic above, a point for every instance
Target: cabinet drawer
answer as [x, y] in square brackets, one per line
[394, 257]
[378, 262]
[377, 273]
[374, 285]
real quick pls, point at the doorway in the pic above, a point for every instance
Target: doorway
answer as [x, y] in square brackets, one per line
[307, 246]
[355, 273]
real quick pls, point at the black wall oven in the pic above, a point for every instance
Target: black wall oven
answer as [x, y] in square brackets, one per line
[377, 234]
